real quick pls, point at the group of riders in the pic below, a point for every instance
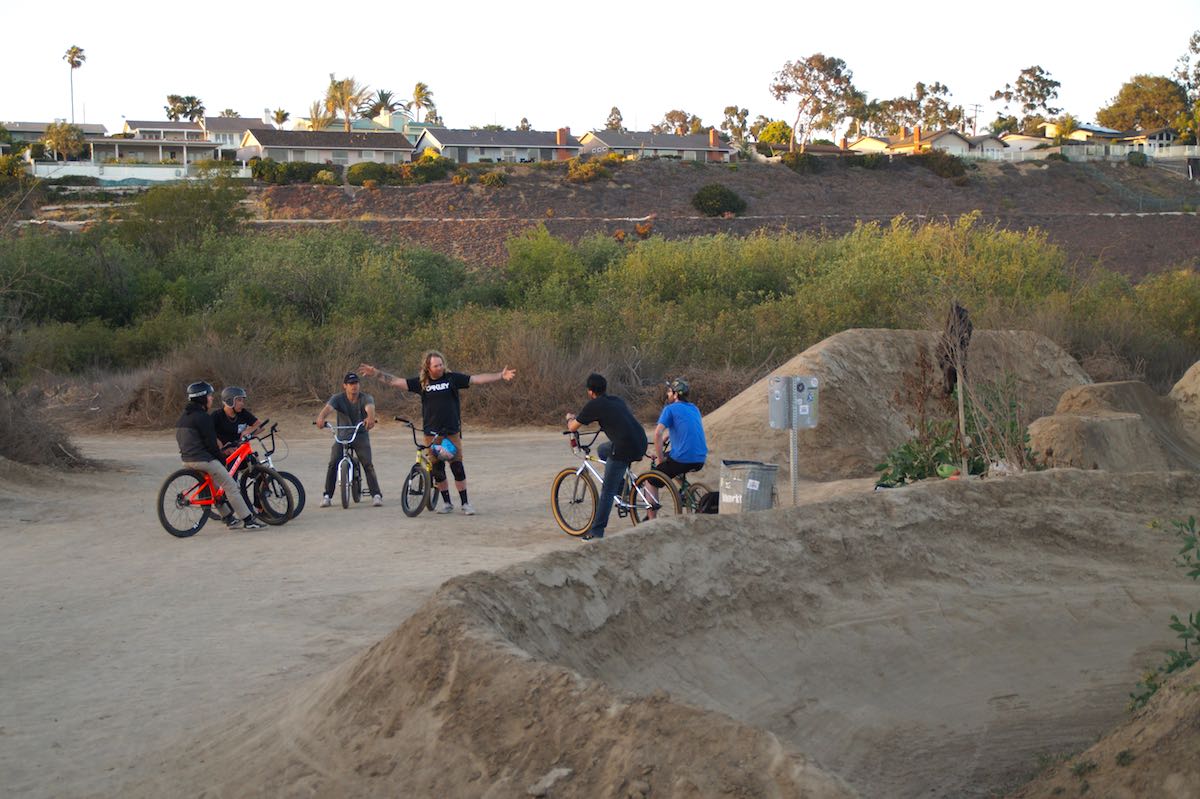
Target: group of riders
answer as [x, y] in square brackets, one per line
[206, 437]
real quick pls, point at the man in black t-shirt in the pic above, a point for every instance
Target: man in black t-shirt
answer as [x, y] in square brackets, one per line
[231, 421]
[351, 406]
[441, 414]
[628, 439]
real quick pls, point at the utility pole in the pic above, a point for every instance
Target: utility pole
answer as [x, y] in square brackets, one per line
[974, 108]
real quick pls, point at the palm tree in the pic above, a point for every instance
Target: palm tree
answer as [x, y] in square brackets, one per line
[345, 95]
[75, 58]
[374, 106]
[422, 99]
[319, 116]
[280, 116]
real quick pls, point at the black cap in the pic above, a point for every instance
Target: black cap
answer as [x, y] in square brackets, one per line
[351, 377]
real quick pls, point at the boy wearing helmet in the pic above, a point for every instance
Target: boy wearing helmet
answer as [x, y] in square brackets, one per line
[680, 423]
[231, 421]
[197, 439]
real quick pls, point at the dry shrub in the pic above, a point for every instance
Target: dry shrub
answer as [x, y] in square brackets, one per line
[28, 435]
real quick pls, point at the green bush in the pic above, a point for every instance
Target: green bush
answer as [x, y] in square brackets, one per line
[366, 170]
[1057, 157]
[940, 163]
[1136, 159]
[493, 179]
[801, 163]
[581, 171]
[716, 200]
[325, 177]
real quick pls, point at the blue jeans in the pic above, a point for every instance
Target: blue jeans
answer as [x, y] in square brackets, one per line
[614, 479]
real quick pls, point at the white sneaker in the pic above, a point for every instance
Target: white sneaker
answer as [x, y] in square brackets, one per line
[445, 508]
[326, 501]
[377, 500]
[467, 509]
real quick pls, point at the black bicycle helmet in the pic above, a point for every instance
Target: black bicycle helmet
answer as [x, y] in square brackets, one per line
[679, 386]
[199, 390]
[230, 393]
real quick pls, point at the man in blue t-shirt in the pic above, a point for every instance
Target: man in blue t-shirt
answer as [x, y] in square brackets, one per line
[680, 424]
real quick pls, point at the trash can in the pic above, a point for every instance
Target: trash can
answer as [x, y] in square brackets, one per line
[747, 486]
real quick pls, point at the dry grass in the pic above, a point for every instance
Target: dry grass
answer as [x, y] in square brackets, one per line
[29, 436]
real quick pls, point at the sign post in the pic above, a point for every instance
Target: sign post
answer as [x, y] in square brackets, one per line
[792, 403]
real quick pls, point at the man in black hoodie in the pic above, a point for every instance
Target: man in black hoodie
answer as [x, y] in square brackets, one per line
[197, 439]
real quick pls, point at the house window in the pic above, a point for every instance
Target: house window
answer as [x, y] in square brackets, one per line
[341, 157]
[366, 155]
[509, 155]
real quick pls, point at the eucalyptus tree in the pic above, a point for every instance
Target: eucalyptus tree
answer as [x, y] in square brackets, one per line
[823, 89]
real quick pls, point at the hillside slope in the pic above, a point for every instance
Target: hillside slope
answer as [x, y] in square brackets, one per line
[1107, 213]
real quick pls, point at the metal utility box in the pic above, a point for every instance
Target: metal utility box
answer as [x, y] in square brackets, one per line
[747, 486]
[792, 401]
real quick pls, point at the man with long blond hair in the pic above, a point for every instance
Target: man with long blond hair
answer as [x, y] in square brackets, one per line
[441, 414]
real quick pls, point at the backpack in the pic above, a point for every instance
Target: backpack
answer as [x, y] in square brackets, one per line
[709, 503]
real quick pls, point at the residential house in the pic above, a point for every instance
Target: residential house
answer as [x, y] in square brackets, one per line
[36, 131]
[1090, 134]
[869, 144]
[473, 146]
[1149, 139]
[697, 147]
[948, 140]
[987, 145]
[227, 132]
[1023, 142]
[356, 126]
[325, 146]
[154, 142]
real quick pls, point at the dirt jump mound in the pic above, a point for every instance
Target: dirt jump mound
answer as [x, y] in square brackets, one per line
[864, 376]
[925, 641]
[1123, 427]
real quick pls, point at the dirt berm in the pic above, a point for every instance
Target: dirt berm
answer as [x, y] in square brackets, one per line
[925, 641]
[863, 409]
[1123, 427]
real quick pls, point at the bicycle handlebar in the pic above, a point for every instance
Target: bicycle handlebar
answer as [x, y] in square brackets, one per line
[412, 427]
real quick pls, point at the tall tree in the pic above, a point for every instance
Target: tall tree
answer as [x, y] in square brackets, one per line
[382, 101]
[776, 132]
[280, 116]
[615, 121]
[345, 96]
[735, 123]
[75, 57]
[433, 118]
[422, 99]
[822, 87]
[1066, 125]
[63, 139]
[180, 106]
[756, 127]
[1145, 102]
[1033, 92]
[319, 116]
[934, 108]
[229, 113]
[524, 124]
[1187, 73]
[681, 123]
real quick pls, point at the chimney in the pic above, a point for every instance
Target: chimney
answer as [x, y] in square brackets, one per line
[917, 139]
[904, 131]
[562, 137]
[842, 143]
[713, 139]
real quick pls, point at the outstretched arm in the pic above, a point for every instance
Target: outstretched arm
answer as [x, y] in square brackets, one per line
[506, 374]
[388, 379]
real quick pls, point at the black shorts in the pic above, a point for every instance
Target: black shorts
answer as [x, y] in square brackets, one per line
[672, 468]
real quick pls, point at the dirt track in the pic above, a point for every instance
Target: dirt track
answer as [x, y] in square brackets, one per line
[928, 640]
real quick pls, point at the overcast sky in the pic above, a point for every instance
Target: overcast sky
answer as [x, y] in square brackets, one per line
[565, 64]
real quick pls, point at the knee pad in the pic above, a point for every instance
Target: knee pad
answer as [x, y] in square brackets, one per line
[460, 473]
[439, 472]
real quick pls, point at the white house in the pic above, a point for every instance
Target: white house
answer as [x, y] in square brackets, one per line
[1022, 142]
[869, 144]
[325, 146]
[949, 141]
[227, 132]
[697, 147]
[987, 145]
[473, 146]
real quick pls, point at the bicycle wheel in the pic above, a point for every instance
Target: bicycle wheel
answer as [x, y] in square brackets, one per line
[356, 484]
[573, 500]
[272, 499]
[344, 481]
[435, 496]
[178, 515]
[297, 491]
[414, 494]
[642, 499]
[692, 496]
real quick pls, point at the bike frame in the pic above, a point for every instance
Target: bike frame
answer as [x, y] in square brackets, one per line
[584, 451]
[348, 453]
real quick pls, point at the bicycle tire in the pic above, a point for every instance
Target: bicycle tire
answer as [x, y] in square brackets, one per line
[414, 494]
[176, 513]
[297, 491]
[356, 486]
[692, 495]
[669, 503]
[272, 500]
[344, 482]
[573, 501]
